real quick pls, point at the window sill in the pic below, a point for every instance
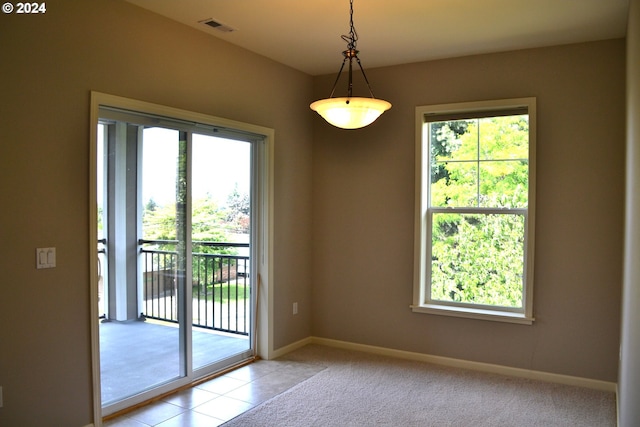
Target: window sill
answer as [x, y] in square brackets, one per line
[473, 313]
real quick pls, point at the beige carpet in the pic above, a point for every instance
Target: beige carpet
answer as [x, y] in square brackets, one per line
[360, 389]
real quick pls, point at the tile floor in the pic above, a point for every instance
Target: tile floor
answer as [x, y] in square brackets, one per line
[216, 401]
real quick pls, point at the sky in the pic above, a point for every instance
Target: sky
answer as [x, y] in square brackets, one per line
[218, 165]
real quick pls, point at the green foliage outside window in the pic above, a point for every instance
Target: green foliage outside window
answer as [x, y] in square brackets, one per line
[477, 257]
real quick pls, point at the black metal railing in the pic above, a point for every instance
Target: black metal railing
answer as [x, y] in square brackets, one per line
[220, 290]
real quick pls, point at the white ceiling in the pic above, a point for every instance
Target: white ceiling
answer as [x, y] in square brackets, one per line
[305, 34]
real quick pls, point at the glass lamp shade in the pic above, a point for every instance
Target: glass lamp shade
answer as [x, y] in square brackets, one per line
[350, 113]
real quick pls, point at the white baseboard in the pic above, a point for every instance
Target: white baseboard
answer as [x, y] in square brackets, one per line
[455, 363]
[291, 347]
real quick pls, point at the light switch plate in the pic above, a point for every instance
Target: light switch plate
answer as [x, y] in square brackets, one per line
[45, 257]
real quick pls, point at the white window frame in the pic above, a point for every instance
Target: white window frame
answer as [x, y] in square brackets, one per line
[422, 302]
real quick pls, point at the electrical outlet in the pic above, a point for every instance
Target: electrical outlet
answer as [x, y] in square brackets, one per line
[295, 308]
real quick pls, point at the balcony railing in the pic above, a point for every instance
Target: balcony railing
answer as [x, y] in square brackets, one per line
[220, 290]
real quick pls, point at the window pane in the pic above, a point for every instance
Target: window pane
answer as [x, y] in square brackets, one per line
[447, 142]
[503, 138]
[504, 184]
[160, 153]
[459, 188]
[478, 259]
[497, 146]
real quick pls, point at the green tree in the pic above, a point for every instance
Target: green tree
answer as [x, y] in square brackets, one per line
[238, 207]
[208, 221]
[151, 205]
[479, 258]
[486, 166]
[208, 224]
[445, 137]
[159, 223]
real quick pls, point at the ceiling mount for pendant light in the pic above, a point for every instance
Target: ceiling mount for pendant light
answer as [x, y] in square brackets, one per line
[350, 112]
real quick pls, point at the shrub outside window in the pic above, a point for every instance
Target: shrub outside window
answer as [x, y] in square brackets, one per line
[475, 199]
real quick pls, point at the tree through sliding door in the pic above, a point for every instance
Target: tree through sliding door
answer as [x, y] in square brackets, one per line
[221, 242]
[176, 234]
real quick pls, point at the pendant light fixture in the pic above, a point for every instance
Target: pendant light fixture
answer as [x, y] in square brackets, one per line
[350, 112]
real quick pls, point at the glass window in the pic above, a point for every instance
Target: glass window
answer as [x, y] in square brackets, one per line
[474, 210]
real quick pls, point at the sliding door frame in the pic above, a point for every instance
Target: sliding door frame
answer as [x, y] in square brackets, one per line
[262, 251]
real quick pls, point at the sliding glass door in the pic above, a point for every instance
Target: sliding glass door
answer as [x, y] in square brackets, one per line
[221, 242]
[176, 215]
[137, 355]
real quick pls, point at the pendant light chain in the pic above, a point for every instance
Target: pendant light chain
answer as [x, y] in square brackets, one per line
[350, 54]
[350, 112]
[352, 38]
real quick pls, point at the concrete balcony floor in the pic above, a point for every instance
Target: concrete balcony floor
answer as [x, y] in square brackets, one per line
[139, 355]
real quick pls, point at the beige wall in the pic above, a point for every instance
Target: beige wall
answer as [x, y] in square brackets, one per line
[629, 379]
[363, 184]
[48, 66]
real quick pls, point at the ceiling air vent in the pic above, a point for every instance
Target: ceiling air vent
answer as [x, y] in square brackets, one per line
[218, 25]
